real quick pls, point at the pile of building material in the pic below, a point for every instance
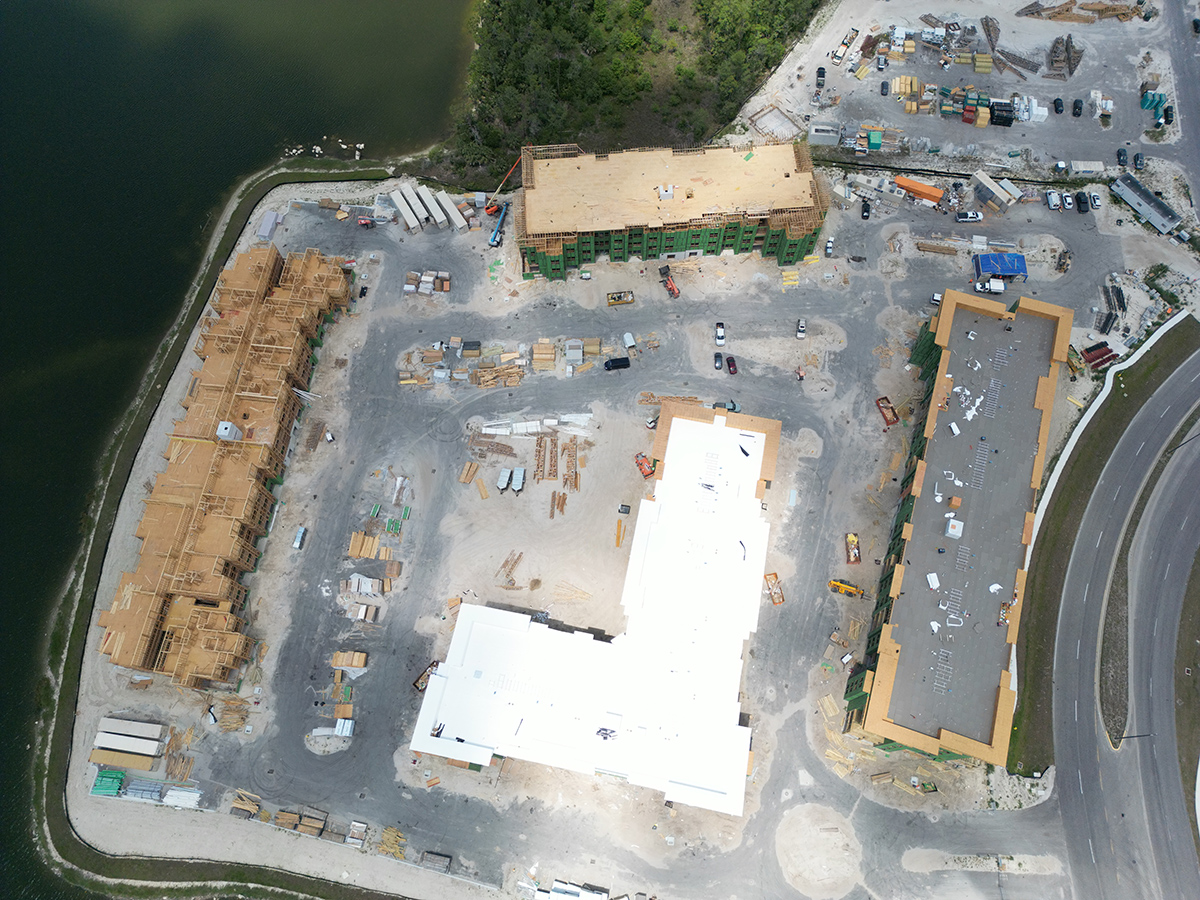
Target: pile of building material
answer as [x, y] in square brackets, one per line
[426, 282]
[991, 30]
[544, 355]
[179, 766]
[570, 477]
[108, 783]
[245, 805]
[235, 711]
[489, 375]
[646, 398]
[361, 584]
[362, 546]
[1063, 58]
[504, 575]
[352, 662]
[357, 835]
[467, 475]
[392, 842]
[182, 797]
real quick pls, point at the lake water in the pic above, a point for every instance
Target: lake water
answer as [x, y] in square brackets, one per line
[124, 124]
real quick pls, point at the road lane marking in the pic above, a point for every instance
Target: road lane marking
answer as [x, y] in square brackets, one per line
[1077, 655]
[1184, 522]
[1155, 632]
[1151, 687]
[1099, 539]
[1118, 493]
[1140, 449]
[1085, 590]
[1167, 572]
[1164, 412]
[1093, 849]
[1194, 377]
[1077, 719]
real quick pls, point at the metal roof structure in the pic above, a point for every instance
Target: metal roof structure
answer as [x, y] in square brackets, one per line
[1001, 265]
[1143, 201]
[659, 704]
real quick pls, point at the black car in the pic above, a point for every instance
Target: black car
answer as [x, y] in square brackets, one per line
[820, 76]
[883, 89]
[1058, 105]
[1139, 161]
[1077, 108]
[1122, 157]
[1081, 202]
[866, 210]
[1168, 114]
[718, 361]
[362, 292]
[1195, 26]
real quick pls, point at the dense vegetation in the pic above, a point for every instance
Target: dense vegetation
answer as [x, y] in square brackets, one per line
[609, 74]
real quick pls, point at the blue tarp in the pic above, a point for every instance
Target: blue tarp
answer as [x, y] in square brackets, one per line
[1001, 265]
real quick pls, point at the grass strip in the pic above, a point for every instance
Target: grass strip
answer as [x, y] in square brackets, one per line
[82, 864]
[1187, 694]
[1032, 746]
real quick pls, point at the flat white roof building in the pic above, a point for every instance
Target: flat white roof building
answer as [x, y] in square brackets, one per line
[659, 704]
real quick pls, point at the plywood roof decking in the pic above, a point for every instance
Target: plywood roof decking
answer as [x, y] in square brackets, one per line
[610, 193]
[176, 612]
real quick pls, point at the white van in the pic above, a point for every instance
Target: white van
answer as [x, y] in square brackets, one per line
[1053, 199]
[630, 343]
[955, 430]
[299, 541]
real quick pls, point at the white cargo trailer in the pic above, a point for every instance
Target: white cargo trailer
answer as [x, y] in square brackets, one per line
[456, 217]
[410, 194]
[150, 730]
[411, 222]
[426, 196]
[126, 744]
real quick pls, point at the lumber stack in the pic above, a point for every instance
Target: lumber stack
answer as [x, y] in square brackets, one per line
[467, 475]
[545, 355]
[363, 547]
[349, 659]
[571, 470]
[247, 803]
[539, 459]
[498, 376]
[552, 458]
[392, 842]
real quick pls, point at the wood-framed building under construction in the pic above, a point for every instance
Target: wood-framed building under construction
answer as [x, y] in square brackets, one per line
[574, 207]
[178, 612]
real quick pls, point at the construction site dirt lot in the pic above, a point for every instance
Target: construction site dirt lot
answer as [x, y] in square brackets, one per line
[1117, 58]
[398, 472]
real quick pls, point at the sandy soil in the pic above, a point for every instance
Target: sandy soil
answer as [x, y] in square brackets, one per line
[925, 860]
[818, 851]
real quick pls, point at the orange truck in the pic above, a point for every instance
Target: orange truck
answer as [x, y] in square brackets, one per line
[644, 465]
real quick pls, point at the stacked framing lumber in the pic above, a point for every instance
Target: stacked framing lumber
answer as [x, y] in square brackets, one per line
[349, 659]
[467, 475]
[545, 354]
[362, 546]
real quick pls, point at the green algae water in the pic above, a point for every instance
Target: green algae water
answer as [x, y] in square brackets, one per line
[123, 126]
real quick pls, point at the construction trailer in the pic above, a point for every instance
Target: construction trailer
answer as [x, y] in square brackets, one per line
[431, 204]
[411, 222]
[178, 612]
[575, 207]
[410, 195]
[456, 217]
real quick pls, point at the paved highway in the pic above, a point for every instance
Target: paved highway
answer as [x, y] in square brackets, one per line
[1160, 562]
[1108, 801]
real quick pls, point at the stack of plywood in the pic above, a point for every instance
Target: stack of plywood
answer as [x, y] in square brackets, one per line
[467, 475]
[363, 547]
[312, 822]
[287, 820]
[544, 355]
[349, 659]
[591, 346]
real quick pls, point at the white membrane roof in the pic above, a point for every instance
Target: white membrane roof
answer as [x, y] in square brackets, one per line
[658, 705]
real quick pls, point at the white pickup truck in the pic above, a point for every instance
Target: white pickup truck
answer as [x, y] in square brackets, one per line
[991, 286]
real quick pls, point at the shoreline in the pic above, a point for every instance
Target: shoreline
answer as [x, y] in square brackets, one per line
[57, 842]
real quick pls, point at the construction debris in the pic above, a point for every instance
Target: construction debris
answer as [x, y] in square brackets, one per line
[391, 843]
[648, 399]
[772, 588]
[504, 575]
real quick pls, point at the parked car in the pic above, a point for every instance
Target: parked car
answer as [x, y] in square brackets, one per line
[720, 334]
[718, 361]
[801, 329]
[968, 217]
[731, 363]
[620, 362]
[1081, 202]
[1122, 157]
[1053, 199]
[1077, 108]
[362, 292]
[820, 76]
[881, 62]
[1067, 202]
[829, 247]
[1139, 161]
[652, 422]
[1195, 26]
[1058, 105]
[866, 210]
[884, 87]
[1095, 200]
